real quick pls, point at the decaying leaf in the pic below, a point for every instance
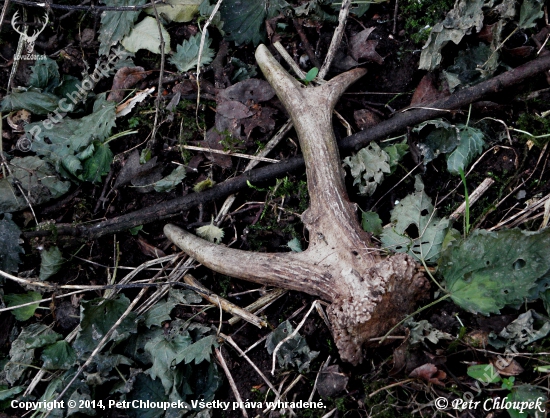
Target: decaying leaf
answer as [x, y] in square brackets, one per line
[368, 167]
[331, 381]
[465, 16]
[38, 180]
[429, 373]
[125, 78]
[362, 49]
[522, 330]
[415, 229]
[294, 352]
[423, 330]
[210, 232]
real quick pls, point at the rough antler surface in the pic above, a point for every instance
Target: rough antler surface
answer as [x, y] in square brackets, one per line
[368, 293]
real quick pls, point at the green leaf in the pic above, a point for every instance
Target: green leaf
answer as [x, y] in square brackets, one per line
[184, 296]
[145, 35]
[176, 10]
[294, 352]
[311, 74]
[32, 100]
[98, 165]
[415, 229]
[146, 388]
[58, 356]
[9, 244]
[244, 20]
[527, 395]
[508, 383]
[38, 335]
[187, 53]
[20, 356]
[38, 180]
[460, 21]
[171, 180]
[70, 141]
[26, 312]
[135, 230]
[97, 318]
[8, 393]
[210, 232]
[396, 152]
[45, 74]
[295, 245]
[116, 25]
[159, 313]
[198, 351]
[368, 167]
[164, 352]
[371, 222]
[469, 68]
[489, 270]
[530, 12]
[51, 261]
[470, 145]
[485, 373]
[441, 140]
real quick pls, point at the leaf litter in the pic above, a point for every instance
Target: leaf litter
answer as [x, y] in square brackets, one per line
[152, 342]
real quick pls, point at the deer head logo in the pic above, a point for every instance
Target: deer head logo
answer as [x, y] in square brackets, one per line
[28, 39]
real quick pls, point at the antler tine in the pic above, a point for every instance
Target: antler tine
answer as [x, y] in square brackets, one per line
[14, 24]
[39, 31]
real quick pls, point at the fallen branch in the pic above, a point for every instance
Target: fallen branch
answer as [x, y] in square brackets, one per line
[391, 126]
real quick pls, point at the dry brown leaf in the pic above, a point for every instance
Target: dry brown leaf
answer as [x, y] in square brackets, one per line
[125, 78]
[362, 49]
[429, 373]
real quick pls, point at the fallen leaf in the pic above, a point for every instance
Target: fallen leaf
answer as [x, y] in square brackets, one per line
[145, 35]
[212, 140]
[429, 373]
[331, 381]
[126, 107]
[125, 78]
[365, 118]
[148, 249]
[509, 367]
[233, 109]
[249, 90]
[427, 91]
[362, 49]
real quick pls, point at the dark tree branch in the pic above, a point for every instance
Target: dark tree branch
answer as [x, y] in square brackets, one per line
[391, 126]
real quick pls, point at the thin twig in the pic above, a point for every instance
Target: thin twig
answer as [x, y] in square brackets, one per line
[232, 154]
[92, 8]
[278, 346]
[476, 194]
[220, 358]
[152, 141]
[336, 39]
[236, 347]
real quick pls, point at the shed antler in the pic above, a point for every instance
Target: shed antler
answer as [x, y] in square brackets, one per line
[368, 293]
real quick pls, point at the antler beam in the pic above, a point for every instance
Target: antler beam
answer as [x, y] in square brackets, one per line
[368, 293]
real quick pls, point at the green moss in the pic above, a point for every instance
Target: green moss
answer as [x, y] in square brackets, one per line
[422, 15]
[535, 125]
